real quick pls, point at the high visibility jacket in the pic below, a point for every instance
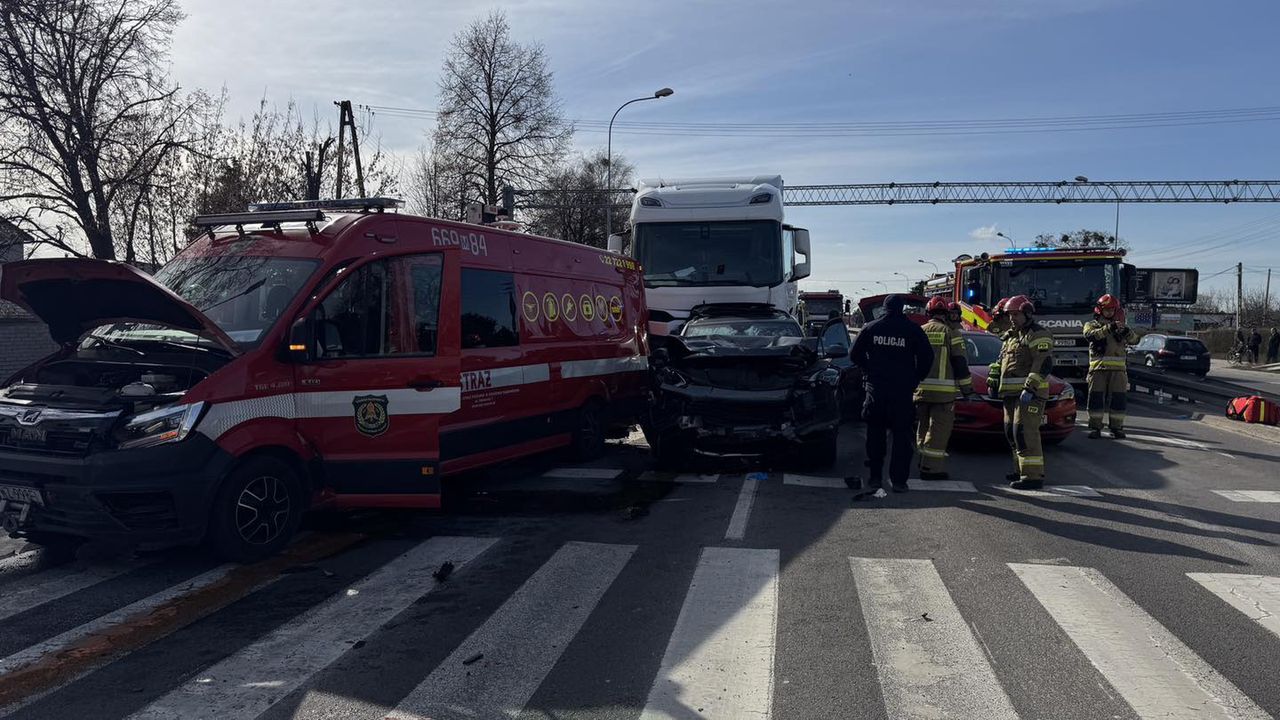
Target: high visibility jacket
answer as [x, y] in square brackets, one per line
[1108, 344]
[950, 370]
[1025, 361]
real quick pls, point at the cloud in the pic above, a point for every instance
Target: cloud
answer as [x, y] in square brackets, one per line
[985, 232]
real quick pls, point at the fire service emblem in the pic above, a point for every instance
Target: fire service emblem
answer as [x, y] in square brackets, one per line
[371, 414]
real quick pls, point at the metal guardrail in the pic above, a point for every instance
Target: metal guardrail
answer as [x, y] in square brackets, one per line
[1181, 386]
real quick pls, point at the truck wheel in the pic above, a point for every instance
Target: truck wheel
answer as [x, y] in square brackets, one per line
[588, 436]
[256, 511]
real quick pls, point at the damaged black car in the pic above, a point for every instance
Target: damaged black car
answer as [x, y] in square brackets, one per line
[743, 379]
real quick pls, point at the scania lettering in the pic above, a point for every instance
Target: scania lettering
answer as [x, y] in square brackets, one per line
[336, 355]
[714, 240]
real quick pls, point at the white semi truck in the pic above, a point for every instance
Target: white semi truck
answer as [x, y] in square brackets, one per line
[714, 240]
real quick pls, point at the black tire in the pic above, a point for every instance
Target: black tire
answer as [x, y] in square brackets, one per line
[257, 510]
[820, 451]
[589, 432]
[670, 452]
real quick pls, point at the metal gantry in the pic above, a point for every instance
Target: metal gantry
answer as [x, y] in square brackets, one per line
[939, 193]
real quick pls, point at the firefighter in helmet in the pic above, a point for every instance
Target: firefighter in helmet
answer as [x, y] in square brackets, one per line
[935, 397]
[954, 317]
[1109, 340]
[1025, 363]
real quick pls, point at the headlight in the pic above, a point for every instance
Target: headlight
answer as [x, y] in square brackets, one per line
[159, 426]
[826, 376]
[1067, 393]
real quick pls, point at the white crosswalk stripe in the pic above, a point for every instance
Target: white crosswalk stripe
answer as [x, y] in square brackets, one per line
[520, 643]
[929, 667]
[726, 629]
[1257, 596]
[1251, 496]
[249, 682]
[1153, 671]
[57, 583]
[30, 655]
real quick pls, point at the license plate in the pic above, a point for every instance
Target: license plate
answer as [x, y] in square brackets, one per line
[18, 493]
[1188, 357]
[1064, 342]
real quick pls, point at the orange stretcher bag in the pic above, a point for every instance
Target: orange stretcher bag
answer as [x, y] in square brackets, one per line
[1254, 409]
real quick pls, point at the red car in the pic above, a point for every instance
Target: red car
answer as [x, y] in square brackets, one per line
[983, 417]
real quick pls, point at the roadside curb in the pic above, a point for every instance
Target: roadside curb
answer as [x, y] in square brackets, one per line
[1199, 413]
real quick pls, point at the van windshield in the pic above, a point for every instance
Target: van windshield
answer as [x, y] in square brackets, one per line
[243, 294]
[710, 253]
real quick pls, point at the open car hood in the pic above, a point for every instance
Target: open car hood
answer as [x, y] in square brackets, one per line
[684, 349]
[75, 295]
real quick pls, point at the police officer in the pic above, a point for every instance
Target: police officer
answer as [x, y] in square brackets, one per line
[1109, 340]
[894, 356]
[1025, 362]
[936, 396]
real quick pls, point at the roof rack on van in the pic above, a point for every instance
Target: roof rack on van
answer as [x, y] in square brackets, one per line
[239, 220]
[348, 204]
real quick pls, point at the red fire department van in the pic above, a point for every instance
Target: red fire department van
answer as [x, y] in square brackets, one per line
[309, 354]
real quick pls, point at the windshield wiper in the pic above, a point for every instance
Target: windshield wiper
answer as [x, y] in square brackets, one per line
[252, 288]
[114, 345]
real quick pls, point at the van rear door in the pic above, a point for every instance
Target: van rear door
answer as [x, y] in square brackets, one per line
[384, 372]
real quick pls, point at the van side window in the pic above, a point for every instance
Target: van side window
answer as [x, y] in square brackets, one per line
[488, 309]
[424, 283]
[358, 319]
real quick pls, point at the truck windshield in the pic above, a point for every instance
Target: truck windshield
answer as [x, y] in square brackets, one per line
[243, 294]
[710, 253]
[1058, 287]
[822, 307]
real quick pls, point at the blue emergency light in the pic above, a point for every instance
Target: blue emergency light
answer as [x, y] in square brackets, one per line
[1028, 250]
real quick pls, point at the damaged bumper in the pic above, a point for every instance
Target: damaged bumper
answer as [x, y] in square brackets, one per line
[720, 417]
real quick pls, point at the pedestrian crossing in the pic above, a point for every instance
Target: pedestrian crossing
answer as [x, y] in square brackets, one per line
[718, 656]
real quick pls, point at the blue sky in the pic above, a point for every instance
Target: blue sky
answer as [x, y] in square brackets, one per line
[851, 61]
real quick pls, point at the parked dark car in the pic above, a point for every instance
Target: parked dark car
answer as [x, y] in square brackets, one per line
[743, 379]
[1171, 352]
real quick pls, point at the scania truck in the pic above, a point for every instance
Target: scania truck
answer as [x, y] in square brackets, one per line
[703, 241]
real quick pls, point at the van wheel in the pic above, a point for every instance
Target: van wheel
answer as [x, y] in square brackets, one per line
[588, 436]
[256, 511]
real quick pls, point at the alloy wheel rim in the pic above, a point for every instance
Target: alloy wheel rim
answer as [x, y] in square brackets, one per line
[262, 510]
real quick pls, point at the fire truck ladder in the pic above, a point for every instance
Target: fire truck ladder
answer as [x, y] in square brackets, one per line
[936, 193]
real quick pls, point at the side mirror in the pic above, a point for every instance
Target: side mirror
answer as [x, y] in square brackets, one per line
[802, 247]
[297, 347]
[614, 244]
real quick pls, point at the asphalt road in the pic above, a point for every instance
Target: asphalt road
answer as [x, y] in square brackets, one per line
[1267, 381]
[1145, 584]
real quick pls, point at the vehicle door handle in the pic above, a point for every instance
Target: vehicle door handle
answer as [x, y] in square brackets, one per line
[424, 384]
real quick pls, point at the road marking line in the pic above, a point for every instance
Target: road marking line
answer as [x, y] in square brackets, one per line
[1257, 596]
[1156, 674]
[518, 645]
[583, 473]
[93, 627]
[37, 670]
[654, 476]
[742, 510]
[249, 682]
[1055, 490]
[1255, 496]
[813, 481]
[56, 583]
[1180, 443]
[930, 665]
[943, 486]
[726, 634]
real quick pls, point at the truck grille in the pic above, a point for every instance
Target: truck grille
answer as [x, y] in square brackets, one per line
[55, 442]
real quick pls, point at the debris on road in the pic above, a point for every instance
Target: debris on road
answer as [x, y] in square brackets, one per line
[926, 617]
[633, 512]
[444, 572]
[473, 659]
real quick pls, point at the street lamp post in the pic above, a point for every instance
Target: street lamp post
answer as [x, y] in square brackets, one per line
[1115, 237]
[1006, 237]
[608, 208]
[936, 271]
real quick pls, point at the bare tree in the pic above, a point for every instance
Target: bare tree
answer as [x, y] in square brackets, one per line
[1081, 239]
[87, 116]
[499, 119]
[584, 220]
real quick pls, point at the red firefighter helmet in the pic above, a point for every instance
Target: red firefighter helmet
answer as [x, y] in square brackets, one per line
[953, 308]
[1106, 302]
[1020, 304]
[999, 308]
[936, 306]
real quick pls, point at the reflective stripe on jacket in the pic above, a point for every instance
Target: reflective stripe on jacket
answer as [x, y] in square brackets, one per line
[1108, 344]
[950, 370]
[1025, 361]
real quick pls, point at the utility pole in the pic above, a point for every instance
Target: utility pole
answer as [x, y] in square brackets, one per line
[1266, 301]
[347, 119]
[1239, 293]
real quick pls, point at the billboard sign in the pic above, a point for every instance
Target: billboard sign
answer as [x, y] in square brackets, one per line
[1165, 286]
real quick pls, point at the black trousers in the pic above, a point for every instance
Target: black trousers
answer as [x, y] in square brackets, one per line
[887, 416]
